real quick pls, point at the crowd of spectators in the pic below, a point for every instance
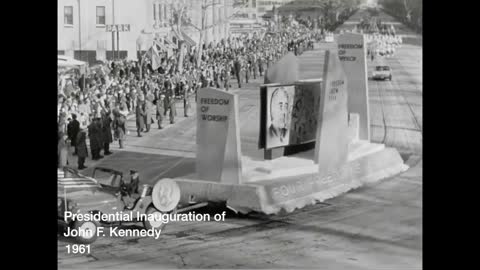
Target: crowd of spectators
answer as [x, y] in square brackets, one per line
[95, 105]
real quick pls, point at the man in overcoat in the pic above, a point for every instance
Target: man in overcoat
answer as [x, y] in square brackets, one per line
[72, 131]
[107, 131]
[82, 151]
[140, 116]
[94, 134]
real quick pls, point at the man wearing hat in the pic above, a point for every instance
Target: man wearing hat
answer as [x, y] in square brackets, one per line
[140, 115]
[72, 130]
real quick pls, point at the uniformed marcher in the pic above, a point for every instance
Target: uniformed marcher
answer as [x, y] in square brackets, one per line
[148, 114]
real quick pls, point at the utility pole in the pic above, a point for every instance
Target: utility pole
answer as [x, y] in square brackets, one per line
[79, 32]
[113, 33]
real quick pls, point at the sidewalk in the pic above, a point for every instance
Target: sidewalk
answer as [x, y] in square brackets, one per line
[146, 143]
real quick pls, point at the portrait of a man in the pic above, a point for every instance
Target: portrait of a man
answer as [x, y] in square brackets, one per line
[279, 115]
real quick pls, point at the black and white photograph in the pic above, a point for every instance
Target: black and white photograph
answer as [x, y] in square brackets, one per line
[279, 115]
[239, 134]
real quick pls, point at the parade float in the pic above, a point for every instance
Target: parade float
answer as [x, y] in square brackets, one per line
[315, 135]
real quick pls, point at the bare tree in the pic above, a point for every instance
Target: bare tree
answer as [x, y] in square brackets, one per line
[205, 4]
[179, 12]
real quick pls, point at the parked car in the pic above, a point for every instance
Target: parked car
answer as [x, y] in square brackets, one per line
[105, 192]
[382, 73]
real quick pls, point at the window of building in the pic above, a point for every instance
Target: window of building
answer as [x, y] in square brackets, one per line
[155, 12]
[100, 15]
[254, 3]
[68, 15]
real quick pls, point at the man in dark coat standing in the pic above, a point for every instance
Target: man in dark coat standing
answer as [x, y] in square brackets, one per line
[72, 131]
[82, 151]
[106, 132]
[247, 71]
[94, 134]
[237, 66]
[260, 65]
[140, 116]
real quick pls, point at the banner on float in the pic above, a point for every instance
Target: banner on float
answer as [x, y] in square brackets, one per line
[352, 55]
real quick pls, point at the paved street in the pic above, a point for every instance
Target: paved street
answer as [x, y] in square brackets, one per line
[378, 226]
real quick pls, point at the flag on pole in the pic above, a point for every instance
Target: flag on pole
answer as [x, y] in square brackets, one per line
[156, 59]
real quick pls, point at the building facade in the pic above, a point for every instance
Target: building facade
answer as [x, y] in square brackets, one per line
[83, 24]
[264, 6]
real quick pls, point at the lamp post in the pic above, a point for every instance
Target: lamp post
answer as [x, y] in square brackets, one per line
[79, 32]
[113, 33]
